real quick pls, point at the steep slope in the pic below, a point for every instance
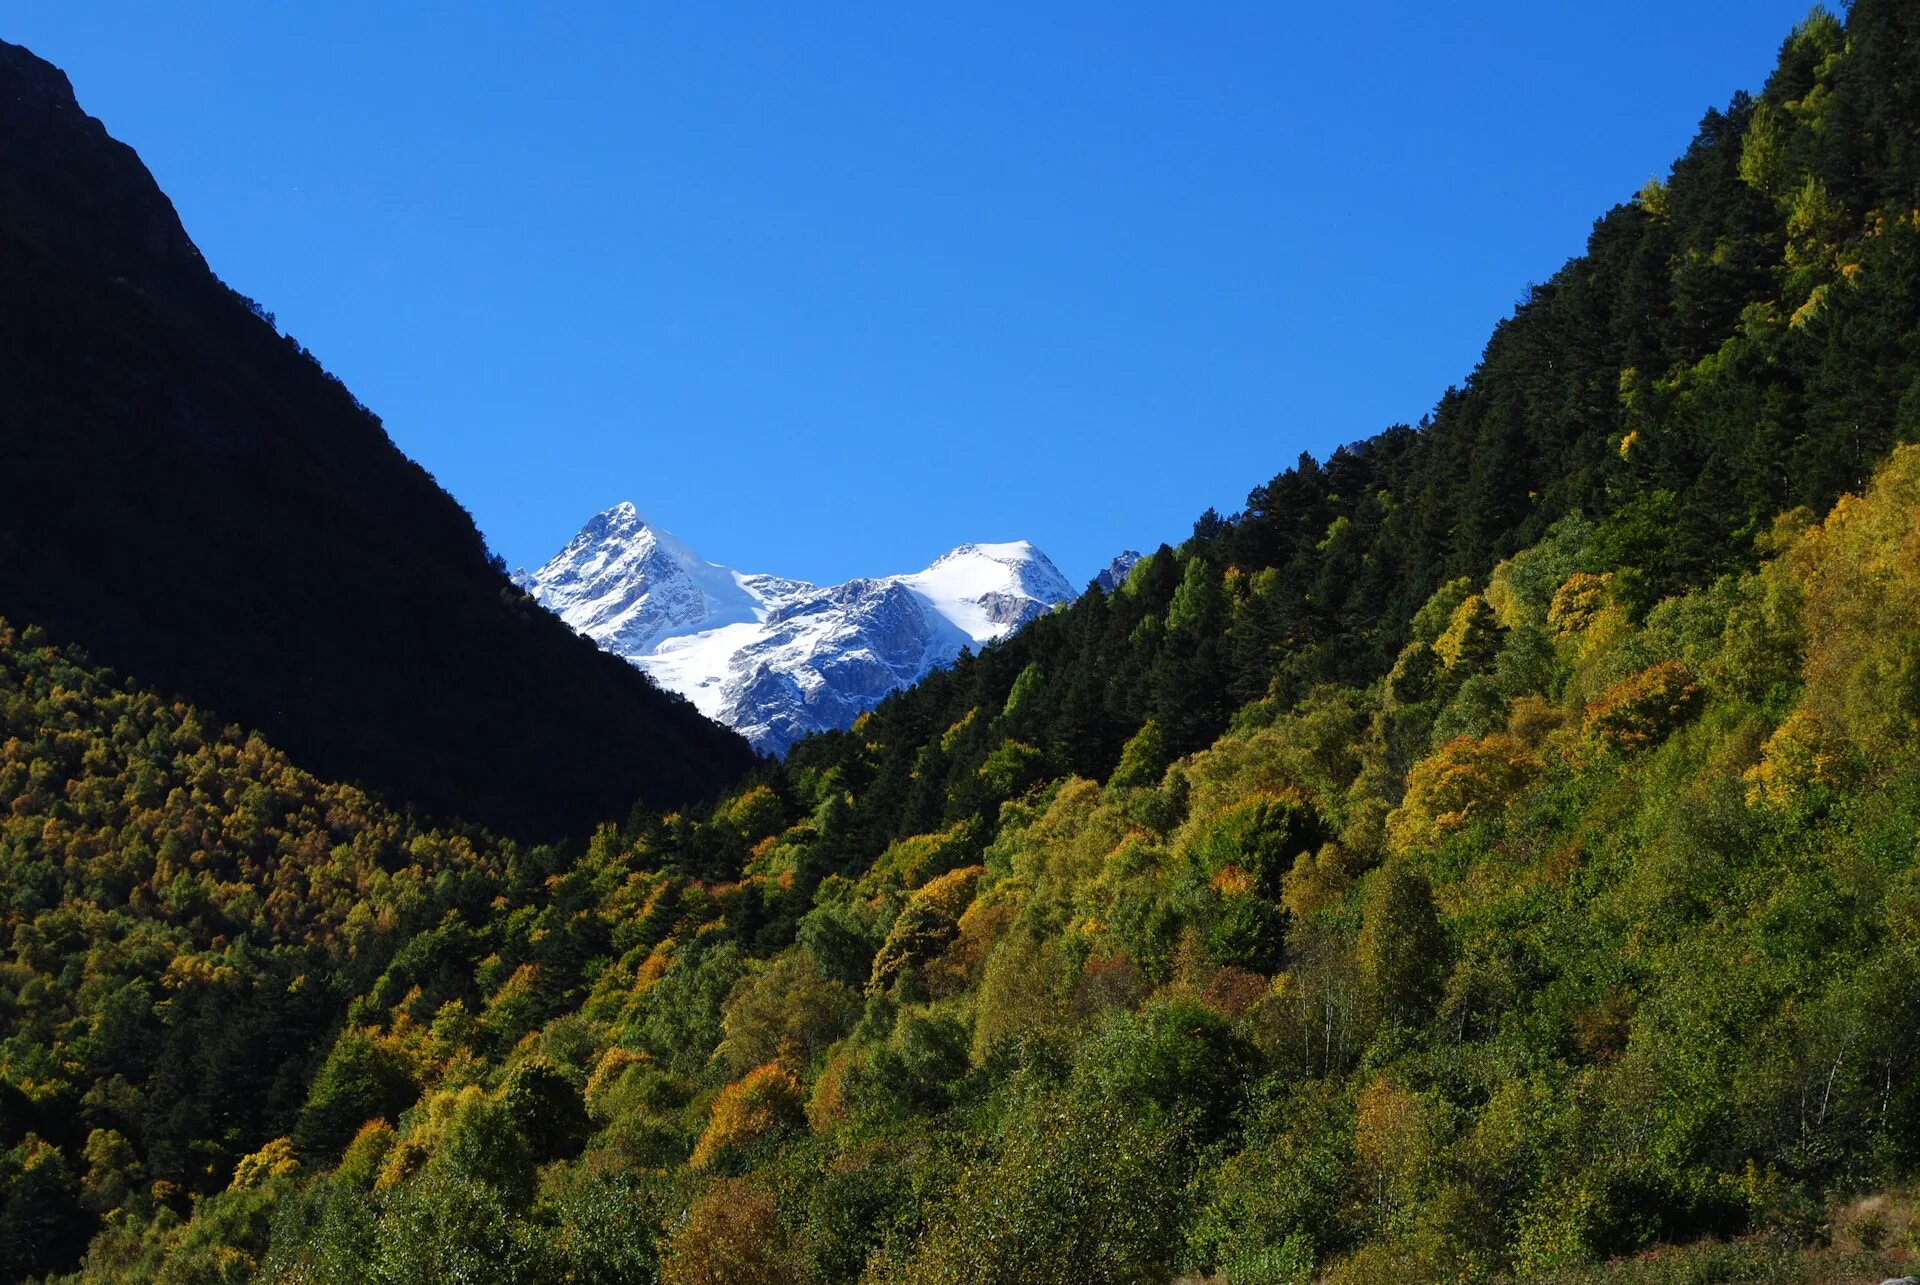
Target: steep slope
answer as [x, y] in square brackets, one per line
[1739, 339]
[1553, 909]
[112, 793]
[190, 496]
[780, 659]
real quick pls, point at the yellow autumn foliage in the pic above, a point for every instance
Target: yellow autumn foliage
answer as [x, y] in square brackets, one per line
[1393, 1144]
[1578, 603]
[271, 1161]
[763, 1100]
[927, 924]
[729, 1236]
[1457, 784]
[1860, 573]
[1800, 759]
[1472, 636]
[1640, 710]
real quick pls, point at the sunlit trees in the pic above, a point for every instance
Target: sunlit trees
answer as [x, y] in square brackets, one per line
[763, 1100]
[1403, 950]
[1465, 780]
[787, 1007]
[1077, 1192]
[730, 1236]
[1861, 572]
[926, 924]
[361, 1080]
[1639, 711]
[1544, 899]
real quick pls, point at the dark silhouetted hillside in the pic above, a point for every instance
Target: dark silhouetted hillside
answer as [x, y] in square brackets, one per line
[190, 496]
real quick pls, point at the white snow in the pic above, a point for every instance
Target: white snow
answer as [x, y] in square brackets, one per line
[777, 658]
[963, 585]
[695, 664]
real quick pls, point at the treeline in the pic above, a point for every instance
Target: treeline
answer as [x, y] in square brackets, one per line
[1740, 339]
[1488, 856]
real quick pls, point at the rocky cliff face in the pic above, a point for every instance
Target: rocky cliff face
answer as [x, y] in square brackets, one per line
[1114, 574]
[777, 659]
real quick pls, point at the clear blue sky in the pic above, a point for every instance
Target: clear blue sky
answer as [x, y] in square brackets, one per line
[826, 289]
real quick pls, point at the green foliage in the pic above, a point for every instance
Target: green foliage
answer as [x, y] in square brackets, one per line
[1026, 692]
[1077, 1192]
[1402, 950]
[1437, 613]
[1144, 759]
[1415, 675]
[1176, 1064]
[788, 1008]
[680, 1018]
[1260, 837]
[1639, 711]
[361, 1080]
[1197, 603]
[1491, 852]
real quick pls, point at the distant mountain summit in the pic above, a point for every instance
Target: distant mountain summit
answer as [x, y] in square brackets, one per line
[1114, 574]
[627, 584]
[773, 658]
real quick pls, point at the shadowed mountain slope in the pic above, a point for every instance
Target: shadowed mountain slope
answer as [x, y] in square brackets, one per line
[190, 496]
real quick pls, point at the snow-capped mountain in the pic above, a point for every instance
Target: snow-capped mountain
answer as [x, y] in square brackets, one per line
[773, 658]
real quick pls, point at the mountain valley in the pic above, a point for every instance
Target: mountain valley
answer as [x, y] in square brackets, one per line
[1490, 855]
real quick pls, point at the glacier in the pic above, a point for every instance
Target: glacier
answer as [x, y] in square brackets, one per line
[778, 659]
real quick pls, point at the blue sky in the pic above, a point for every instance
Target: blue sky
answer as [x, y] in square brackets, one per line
[827, 289]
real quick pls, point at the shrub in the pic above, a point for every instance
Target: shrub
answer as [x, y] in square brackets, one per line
[1459, 783]
[1471, 640]
[361, 1080]
[927, 924]
[1078, 1193]
[1175, 1060]
[1800, 765]
[787, 1005]
[764, 1101]
[1861, 572]
[1642, 710]
[730, 1236]
[1260, 836]
[1144, 759]
[1403, 951]
[1578, 603]
[271, 1161]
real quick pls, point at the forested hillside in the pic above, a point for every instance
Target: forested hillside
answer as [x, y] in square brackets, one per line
[187, 494]
[1491, 856]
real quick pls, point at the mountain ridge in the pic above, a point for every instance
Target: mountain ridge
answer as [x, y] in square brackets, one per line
[775, 658]
[193, 499]
[1488, 857]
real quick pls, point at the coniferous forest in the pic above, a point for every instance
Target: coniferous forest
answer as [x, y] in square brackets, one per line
[1492, 855]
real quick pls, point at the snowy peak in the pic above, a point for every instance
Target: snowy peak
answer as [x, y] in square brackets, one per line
[627, 584]
[988, 590]
[622, 519]
[776, 658]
